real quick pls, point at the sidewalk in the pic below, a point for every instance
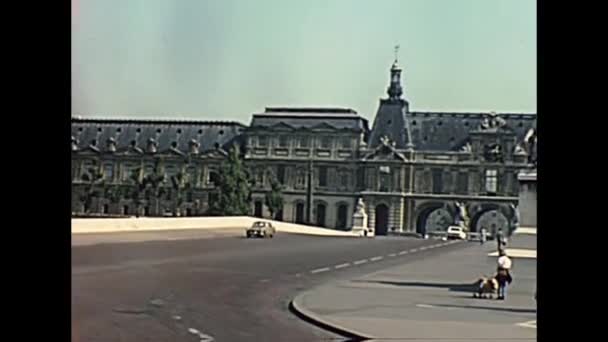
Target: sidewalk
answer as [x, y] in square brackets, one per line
[431, 299]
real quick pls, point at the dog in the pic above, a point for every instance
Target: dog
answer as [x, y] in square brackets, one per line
[486, 286]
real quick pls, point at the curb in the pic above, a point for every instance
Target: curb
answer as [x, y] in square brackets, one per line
[310, 317]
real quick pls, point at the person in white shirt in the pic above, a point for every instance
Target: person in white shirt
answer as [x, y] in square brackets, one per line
[503, 274]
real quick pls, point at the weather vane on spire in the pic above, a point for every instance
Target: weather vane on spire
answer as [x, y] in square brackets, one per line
[396, 52]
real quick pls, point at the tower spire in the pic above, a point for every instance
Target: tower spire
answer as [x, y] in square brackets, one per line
[396, 53]
[394, 90]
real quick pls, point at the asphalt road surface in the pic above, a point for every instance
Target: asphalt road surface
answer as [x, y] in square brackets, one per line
[204, 288]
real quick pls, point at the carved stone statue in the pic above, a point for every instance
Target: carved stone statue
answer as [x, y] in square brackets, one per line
[385, 140]
[514, 221]
[360, 220]
[462, 217]
[467, 148]
[493, 153]
[360, 207]
[530, 141]
[519, 149]
[492, 121]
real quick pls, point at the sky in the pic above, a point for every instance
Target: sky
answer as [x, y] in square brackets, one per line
[228, 59]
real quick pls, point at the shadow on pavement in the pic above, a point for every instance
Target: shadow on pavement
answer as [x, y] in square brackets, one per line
[450, 286]
[516, 310]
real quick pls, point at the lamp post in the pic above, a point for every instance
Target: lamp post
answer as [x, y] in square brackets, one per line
[309, 193]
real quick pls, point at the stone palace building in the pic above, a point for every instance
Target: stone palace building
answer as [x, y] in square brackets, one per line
[415, 171]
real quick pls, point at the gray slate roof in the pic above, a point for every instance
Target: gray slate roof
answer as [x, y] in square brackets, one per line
[165, 132]
[309, 118]
[432, 131]
[391, 121]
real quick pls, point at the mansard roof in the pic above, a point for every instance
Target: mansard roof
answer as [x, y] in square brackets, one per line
[391, 121]
[168, 134]
[434, 131]
[309, 118]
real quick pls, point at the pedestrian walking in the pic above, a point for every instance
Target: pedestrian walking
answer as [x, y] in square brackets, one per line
[503, 274]
[499, 239]
[482, 238]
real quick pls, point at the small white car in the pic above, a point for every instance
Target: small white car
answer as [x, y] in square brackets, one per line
[261, 229]
[456, 232]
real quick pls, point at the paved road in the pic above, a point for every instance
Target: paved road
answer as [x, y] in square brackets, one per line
[228, 288]
[431, 299]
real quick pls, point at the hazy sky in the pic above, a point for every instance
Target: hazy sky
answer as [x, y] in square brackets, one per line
[226, 59]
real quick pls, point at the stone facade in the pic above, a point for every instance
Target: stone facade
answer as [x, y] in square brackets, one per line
[527, 198]
[410, 168]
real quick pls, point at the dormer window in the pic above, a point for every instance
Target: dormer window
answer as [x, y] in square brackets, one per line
[194, 145]
[174, 144]
[111, 145]
[94, 142]
[152, 144]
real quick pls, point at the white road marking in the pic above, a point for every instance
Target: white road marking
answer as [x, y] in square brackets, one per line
[193, 331]
[518, 253]
[298, 275]
[359, 262]
[414, 250]
[426, 306]
[376, 258]
[528, 324]
[403, 252]
[423, 248]
[392, 255]
[264, 280]
[342, 265]
[319, 270]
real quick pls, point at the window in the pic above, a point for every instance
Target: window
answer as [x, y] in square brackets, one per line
[344, 179]
[108, 171]
[301, 180]
[342, 216]
[325, 142]
[262, 141]
[491, 181]
[360, 178]
[462, 186]
[127, 170]
[437, 181]
[345, 143]
[385, 182]
[281, 174]
[303, 142]
[170, 170]
[283, 141]
[323, 176]
[213, 177]
[259, 177]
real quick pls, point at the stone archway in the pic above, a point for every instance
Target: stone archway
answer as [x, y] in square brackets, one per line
[492, 221]
[320, 214]
[342, 216]
[434, 216]
[299, 216]
[382, 213]
[258, 209]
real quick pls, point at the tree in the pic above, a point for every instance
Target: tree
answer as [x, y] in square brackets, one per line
[94, 179]
[179, 183]
[139, 185]
[233, 187]
[154, 181]
[274, 198]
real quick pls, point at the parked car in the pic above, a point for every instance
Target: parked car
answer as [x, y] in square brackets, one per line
[261, 229]
[456, 232]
